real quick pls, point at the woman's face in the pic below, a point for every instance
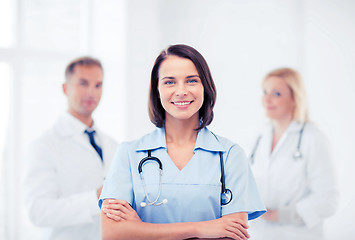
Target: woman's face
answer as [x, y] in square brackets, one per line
[277, 99]
[180, 89]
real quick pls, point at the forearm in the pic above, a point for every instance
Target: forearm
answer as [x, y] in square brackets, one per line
[232, 226]
[112, 230]
[120, 221]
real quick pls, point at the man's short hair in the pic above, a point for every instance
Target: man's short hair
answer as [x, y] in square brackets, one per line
[82, 61]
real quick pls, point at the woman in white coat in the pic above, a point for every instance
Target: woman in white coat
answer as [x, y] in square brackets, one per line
[292, 164]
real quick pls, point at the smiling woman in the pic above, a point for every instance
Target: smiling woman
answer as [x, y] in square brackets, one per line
[180, 88]
[193, 67]
[190, 193]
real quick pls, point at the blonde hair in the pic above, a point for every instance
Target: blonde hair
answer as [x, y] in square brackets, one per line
[298, 92]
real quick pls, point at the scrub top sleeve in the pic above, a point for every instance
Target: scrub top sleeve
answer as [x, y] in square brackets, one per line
[118, 182]
[240, 180]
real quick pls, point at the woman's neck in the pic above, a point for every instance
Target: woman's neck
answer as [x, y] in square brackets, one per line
[280, 127]
[180, 132]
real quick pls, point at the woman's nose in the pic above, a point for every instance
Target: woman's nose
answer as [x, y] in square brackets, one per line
[181, 90]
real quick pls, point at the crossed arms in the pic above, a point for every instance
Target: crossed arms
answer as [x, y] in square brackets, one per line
[120, 221]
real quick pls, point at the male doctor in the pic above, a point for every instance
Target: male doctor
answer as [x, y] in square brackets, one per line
[67, 163]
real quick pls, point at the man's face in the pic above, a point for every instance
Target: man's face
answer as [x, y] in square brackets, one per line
[83, 89]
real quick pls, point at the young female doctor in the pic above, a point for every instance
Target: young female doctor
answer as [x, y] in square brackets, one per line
[168, 184]
[292, 164]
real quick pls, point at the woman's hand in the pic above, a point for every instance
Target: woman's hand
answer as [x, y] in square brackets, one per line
[271, 215]
[229, 226]
[119, 210]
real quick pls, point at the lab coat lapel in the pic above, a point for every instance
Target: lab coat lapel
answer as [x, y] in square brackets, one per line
[85, 144]
[105, 146]
[65, 129]
[266, 148]
[293, 127]
[278, 144]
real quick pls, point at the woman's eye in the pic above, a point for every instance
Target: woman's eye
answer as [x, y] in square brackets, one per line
[264, 92]
[192, 80]
[168, 82]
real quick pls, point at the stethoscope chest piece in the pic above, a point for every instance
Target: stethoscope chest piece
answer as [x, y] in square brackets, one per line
[226, 196]
[297, 155]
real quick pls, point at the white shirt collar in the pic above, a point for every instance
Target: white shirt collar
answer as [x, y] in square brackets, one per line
[70, 125]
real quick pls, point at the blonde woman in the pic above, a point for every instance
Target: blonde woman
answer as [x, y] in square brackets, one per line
[292, 164]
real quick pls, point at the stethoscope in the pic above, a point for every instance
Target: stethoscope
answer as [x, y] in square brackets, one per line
[297, 155]
[226, 194]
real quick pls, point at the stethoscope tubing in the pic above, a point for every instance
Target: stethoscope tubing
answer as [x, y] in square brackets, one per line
[297, 153]
[149, 158]
[140, 170]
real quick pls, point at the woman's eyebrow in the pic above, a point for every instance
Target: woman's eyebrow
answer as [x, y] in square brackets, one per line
[167, 78]
[192, 76]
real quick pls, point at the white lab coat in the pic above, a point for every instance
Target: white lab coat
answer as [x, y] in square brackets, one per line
[304, 191]
[62, 176]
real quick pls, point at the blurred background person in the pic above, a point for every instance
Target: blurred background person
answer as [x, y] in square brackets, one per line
[67, 164]
[292, 163]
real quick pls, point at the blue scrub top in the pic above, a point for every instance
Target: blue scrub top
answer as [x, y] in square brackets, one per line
[193, 193]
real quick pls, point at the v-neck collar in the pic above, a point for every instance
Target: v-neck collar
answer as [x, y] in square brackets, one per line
[205, 140]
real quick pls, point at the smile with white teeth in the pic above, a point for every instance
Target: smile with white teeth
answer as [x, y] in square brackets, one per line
[182, 103]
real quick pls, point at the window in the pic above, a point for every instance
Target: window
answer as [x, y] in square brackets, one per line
[38, 38]
[4, 106]
[4, 103]
[7, 23]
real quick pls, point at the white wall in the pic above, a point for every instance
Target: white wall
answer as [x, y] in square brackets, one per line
[109, 45]
[329, 62]
[143, 45]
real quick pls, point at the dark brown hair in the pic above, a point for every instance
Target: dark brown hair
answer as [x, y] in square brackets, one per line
[82, 61]
[156, 110]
